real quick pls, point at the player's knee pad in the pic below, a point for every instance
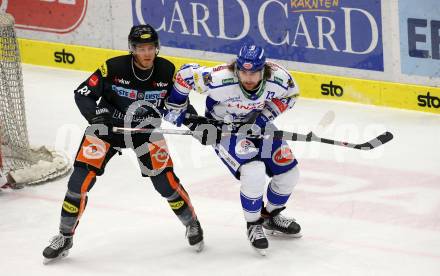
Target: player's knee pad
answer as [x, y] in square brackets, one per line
[81, 180]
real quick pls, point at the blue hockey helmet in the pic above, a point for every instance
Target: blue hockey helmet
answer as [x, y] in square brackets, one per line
[251, 58]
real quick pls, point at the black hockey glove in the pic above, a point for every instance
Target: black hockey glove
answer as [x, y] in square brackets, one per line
[102, 121]
[206, 131]
[102, 116]
[207, 134]
[144, 117]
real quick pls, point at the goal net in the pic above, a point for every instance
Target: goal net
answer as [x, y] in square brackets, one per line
[25, 164]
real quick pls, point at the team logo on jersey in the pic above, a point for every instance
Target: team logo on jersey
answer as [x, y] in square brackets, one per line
[245, 146]
[93, 80]
[283, 156]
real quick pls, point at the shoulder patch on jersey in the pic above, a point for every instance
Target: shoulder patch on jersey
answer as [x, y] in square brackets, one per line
[228, 81]
[103, 69]
[278, 80]
[93, 80]
[207, 78]
[196, 77]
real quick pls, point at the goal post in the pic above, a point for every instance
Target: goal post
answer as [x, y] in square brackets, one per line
[24, 163]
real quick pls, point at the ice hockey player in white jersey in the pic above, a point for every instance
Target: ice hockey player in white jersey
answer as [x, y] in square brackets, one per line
[247, 96]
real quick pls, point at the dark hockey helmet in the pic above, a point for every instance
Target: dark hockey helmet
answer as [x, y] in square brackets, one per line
[251, 58]
[142, 34]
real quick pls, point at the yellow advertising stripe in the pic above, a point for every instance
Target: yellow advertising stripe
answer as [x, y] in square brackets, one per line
[64, 56]
[78, 57]
[398, 95]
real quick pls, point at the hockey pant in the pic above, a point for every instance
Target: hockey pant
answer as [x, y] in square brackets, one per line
[91, 159]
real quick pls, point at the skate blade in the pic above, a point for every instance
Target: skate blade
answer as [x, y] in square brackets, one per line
[262, 252]
[199, 246]
[279, 234]
[47, 261]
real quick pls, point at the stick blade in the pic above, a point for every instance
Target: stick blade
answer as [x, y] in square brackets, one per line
[376, 142]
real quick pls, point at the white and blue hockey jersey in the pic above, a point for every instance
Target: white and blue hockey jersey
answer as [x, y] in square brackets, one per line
[226, 99]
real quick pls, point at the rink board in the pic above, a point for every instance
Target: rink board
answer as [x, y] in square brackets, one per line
[397, 95]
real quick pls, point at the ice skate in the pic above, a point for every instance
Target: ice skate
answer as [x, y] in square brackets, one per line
[194, 234]
[256, 236]
[277, 225]
[58, 248]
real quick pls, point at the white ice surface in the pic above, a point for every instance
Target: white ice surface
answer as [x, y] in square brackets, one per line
[362, 213]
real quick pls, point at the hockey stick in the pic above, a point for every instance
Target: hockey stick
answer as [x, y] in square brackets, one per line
[310, 137]
[276, 135]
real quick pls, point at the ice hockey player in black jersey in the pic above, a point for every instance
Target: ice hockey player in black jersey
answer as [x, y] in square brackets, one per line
[128, 91]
